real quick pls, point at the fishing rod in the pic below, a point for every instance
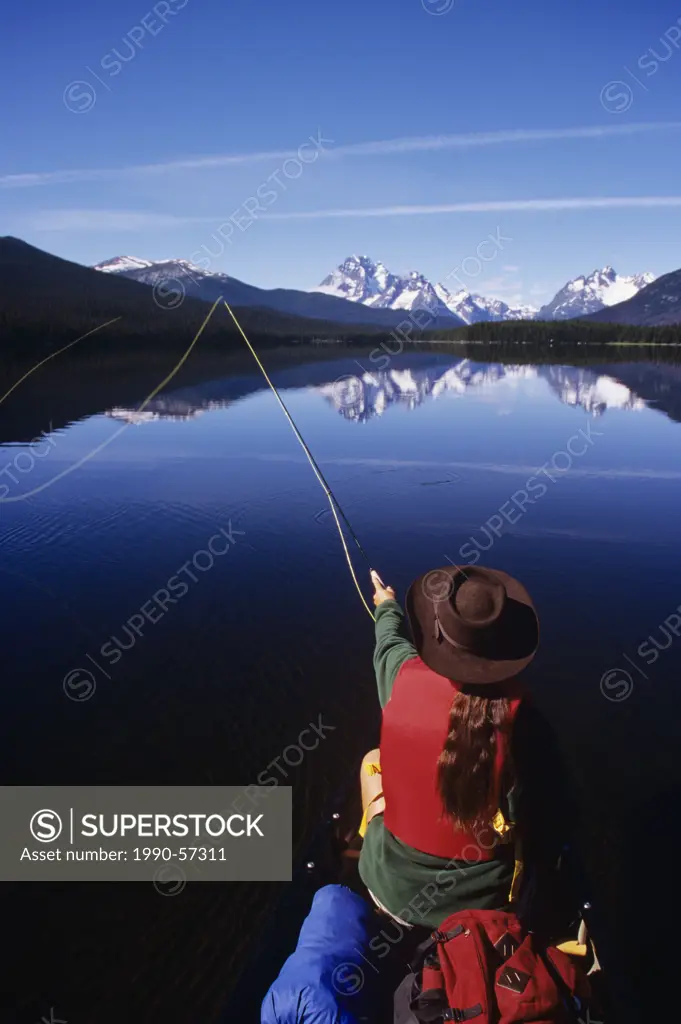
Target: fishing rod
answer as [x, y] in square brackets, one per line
[333, 501]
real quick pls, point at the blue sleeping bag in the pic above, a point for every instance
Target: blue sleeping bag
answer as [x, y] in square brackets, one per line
[323, 981]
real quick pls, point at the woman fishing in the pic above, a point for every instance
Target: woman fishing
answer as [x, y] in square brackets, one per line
[441, 796]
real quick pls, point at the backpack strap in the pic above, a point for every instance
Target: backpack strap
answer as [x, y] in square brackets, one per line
[434, 939]
[430, 1004]
[453, 1013]
[431, 1007]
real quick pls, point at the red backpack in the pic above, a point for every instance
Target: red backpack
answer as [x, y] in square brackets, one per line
[482, 966]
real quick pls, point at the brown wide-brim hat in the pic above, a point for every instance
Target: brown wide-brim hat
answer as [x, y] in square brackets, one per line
[472, 625]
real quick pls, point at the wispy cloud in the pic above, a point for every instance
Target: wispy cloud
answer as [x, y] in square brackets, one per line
[421, 143]
[133, 220]
[93, 174]
[491, 206]
[382, 147]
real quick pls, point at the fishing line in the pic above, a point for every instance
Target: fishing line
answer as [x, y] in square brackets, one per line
[53, 354]
[95, 451]
[333, 501]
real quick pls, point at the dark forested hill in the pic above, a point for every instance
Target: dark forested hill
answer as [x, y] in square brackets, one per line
[45, 299]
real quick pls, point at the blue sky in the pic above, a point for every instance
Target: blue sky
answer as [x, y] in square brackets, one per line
[141, 128]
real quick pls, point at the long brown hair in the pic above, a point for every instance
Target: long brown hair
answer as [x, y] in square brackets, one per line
[465, 768]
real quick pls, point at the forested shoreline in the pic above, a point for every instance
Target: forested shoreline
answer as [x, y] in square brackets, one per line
[561, 332]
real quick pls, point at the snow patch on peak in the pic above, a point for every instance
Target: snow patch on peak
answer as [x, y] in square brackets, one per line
[126, 264]
[119, 264]
[357, 279]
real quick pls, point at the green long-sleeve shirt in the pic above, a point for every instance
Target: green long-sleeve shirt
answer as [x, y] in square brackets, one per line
[392, 649]
[415, 886]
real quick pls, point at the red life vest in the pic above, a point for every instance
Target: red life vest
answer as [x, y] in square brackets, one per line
[415, 727]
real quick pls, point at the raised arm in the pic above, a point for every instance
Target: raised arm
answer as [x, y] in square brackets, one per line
[392, 646]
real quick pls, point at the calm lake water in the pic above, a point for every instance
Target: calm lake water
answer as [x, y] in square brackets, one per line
[568, 477]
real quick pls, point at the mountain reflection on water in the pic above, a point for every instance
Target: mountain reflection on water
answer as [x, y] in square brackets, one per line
[370, 394]
[360, 396]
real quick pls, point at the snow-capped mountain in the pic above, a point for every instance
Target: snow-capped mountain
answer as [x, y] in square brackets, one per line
[474, 308]
[360, 279]
[658, 304]
[367, 395]
[121, 264]
[153, 271]
[584, 295]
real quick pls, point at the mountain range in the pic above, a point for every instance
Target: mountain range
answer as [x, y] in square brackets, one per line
[192, 280]
[359, 279]
[45, 298]
[360, 290]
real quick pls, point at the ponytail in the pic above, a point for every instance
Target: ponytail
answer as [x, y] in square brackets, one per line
[466, 766]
